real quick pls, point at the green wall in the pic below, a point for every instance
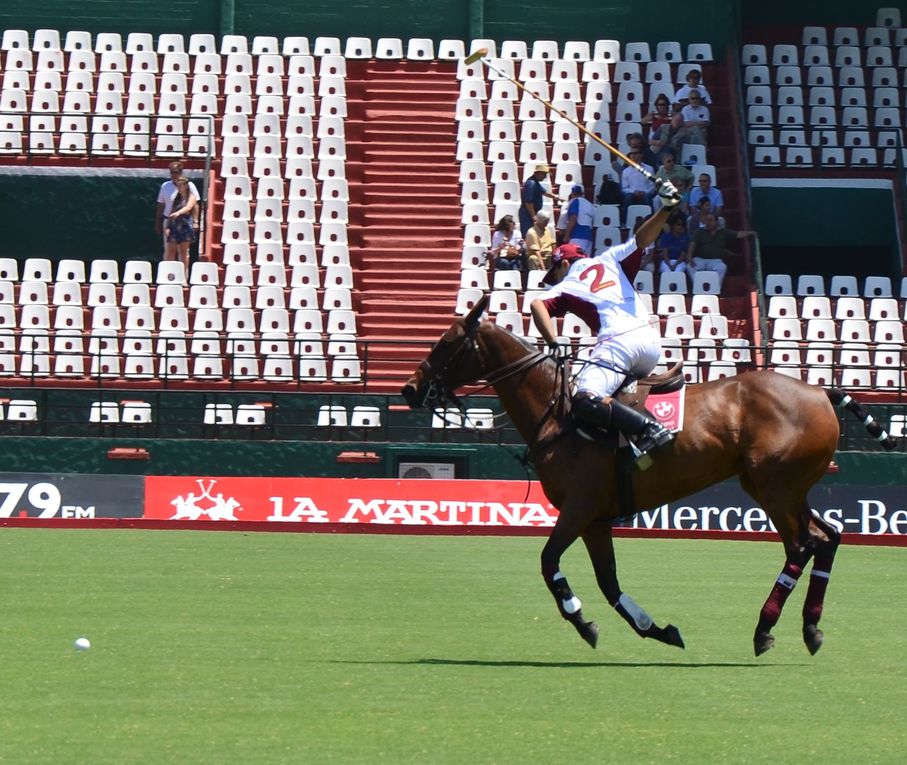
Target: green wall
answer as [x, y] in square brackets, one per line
[123, 16]
[810, 217]
[46, 454]
[30, 454]
[812, 12]
[818, 230]
[713, 21]
[710, 21]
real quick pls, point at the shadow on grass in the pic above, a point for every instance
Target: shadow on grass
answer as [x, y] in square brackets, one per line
[563, 664]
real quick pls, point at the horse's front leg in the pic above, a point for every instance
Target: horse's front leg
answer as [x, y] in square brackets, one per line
[599, 543]
[567, 528]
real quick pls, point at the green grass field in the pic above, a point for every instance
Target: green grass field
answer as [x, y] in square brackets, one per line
[291, 648]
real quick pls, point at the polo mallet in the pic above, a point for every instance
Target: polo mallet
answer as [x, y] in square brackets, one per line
[481, 53]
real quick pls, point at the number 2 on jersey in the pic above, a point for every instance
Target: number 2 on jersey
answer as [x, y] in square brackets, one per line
[598, 273]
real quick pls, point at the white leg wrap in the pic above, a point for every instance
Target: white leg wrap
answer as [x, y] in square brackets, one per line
[785, 581]
[821, 574]
[570, 606]
[642, 620]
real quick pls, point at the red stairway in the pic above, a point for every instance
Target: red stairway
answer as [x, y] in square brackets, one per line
[404, 231]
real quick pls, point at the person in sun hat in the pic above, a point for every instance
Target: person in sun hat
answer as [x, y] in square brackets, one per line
[599, 290]
[580, 212]
[533, 197]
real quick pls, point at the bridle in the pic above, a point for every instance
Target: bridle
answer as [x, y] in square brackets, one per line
[437, 391]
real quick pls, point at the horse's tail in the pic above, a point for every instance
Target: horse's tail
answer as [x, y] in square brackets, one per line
[843, 400]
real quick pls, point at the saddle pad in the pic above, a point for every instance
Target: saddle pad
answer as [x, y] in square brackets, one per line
[667, 408]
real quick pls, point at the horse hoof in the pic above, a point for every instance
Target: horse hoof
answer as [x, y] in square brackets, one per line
[589, 633]
[762, 642]
[813, 637]
[672, 636]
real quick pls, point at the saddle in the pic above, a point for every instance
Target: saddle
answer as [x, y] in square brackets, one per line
[633, 393]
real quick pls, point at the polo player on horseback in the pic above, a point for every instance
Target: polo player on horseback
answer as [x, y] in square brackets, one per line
[600, 291]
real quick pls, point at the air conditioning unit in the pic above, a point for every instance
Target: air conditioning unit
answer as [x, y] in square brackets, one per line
[442, 470]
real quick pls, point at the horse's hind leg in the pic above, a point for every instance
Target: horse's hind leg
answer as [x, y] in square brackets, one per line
[791, 518]
[566, 530]
[774, 604]
[826, 541]
[598, 540]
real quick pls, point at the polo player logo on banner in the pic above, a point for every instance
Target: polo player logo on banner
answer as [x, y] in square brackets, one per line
[218, 508]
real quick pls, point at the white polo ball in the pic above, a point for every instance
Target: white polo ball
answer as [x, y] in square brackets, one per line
[83, 644]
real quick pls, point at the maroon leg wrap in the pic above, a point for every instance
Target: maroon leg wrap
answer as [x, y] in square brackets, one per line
[787, 580]
[815, 596]
[818, 582]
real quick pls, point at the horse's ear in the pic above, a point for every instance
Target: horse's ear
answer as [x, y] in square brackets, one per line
[471, 320]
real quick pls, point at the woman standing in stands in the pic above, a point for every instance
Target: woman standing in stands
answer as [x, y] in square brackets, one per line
[180, 226]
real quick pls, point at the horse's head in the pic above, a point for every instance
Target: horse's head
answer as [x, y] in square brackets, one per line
[452, 362]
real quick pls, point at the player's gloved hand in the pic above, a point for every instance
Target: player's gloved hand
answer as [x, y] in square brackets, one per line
[554, 348]
[668, 193]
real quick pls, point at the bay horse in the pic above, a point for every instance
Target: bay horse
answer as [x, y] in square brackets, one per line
[777, 434]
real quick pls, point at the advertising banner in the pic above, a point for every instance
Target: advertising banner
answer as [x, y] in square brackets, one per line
[70, 496]
[725, 507]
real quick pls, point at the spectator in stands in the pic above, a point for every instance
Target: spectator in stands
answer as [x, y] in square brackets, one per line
[708, 251]
[702, 208]
[539, 243]
[507, 246]
[165, 199]
[658, 122]
[706, 189]
[533, 197]
[636, 187]
[674, 246]
[693, 82]
[680, 176]
[635, 142]
[179, 226]
[580, 212]
[692, 124]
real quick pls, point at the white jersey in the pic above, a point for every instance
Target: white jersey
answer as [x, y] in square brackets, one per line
[598, 291]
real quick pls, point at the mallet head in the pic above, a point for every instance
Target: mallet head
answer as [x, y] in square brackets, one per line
[475, 56]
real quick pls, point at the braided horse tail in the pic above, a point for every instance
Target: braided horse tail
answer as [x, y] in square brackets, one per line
[843, 400]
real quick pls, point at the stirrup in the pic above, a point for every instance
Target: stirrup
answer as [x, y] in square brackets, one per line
[654, 436]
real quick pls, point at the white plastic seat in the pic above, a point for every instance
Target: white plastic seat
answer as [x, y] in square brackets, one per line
[888, 332]
[37, 269]
[810, 284]
[786, 329]
[848, 308]
[821, 330]
[877, 287]
[679, 326]
[171, 272]
[218, 414]
[606, 50]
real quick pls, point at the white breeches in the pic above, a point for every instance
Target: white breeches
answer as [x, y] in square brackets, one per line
[633, 353]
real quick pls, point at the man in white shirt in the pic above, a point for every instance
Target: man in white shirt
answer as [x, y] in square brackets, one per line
[165, 198]
[636, 187]
[600, 292]
[691, 126]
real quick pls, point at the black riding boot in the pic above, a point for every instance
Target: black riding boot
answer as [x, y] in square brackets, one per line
[649, 433]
